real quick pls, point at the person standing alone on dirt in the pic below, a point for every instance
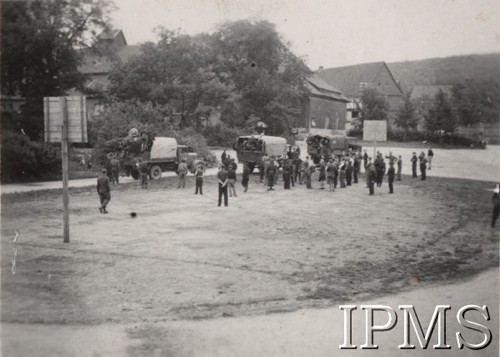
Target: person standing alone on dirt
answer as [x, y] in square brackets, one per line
[245, 177]
[400, 166]
[223, 157]
[200, 170]
[423, 167]
[430, 155]
[222, 180]
[182, 171]
[371, 177]
[103, 190]
[115, 170]
[496, 205]
[231, 181]
[143, 173]
[390, 176]
[414, 160]
[355, 167]
[271, 174]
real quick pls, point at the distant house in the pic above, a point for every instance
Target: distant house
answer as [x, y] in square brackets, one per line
[324, 108]
[111, 48]
[351, 80]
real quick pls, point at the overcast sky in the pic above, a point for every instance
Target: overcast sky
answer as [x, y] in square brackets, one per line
[334, 33]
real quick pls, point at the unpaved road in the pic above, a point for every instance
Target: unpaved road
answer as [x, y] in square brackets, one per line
[182, 258]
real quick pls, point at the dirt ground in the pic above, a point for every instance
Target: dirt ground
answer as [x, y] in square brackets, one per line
[182, 257]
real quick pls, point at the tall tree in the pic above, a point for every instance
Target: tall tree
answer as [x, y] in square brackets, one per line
[407, 118]
[242, 71]
[441, 117]
[267, 76]
[40, 42]
[476, 102]
[177, 73]
[374, 105]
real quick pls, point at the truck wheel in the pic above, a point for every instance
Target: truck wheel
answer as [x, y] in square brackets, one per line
[135, 174]
[251, 166]
[155, 172]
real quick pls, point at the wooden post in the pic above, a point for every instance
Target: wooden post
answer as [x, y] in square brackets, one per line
[64, 155]
[374, 150]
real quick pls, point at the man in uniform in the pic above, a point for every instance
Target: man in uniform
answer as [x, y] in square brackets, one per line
[414, 160]
[355, 167]
[495, 200]
[262, 169]
[309, 172]
[400, 166]
[245, 177]
[297, 172]
[342, 174]
[231, 181]
[222, 180]
[365, 160]
[114, 163]
[390, 176]
[182, 171]
[330, 172]
[223, 157]
[271, 174]
[103, 190]
[304, 166]
[348, 172]
[423, 166]
[143, 173]
[371, 176]
[199, 172]
[335, 174]
[287, 173]
[430, 155]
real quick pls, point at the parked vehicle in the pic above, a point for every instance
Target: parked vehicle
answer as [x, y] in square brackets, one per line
[328, 146]
[250, 149]
[160, 154]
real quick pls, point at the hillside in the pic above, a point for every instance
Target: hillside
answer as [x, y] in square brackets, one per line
[448, 70]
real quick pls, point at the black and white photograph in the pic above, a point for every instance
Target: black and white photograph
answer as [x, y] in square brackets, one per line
[249, 178]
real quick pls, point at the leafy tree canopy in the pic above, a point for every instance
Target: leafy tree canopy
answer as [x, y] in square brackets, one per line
[476, 102]
[40, 49]
[407, 118]
[374, 105]
[441, 116]
[244, 71]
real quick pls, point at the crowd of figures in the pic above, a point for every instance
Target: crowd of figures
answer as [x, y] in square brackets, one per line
[337, 172]
[340, 172]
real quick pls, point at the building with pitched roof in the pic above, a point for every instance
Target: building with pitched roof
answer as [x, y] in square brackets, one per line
[324, 107]
[351, 80]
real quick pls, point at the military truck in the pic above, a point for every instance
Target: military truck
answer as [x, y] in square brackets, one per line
[329, 146]
[160, 154]
[250, 149]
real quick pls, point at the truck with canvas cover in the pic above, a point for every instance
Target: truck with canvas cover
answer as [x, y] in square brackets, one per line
[250, 149]
[159, 154]
[329, 146]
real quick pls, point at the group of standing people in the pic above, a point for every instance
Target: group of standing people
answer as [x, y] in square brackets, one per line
[422, 161]
[376, 171]
[340, 172]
